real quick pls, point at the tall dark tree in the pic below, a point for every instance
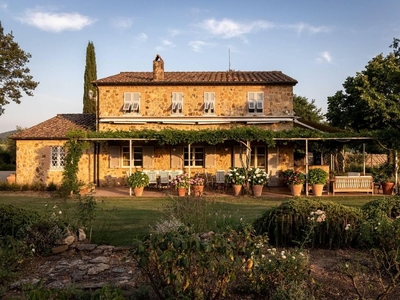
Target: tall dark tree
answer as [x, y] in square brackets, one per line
[306, 109]
[89, 92]
[371, 99]
[15, 77]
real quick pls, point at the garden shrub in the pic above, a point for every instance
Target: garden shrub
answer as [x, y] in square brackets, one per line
[14, 221]
[290, 223]
[184, 265]
[387, 206]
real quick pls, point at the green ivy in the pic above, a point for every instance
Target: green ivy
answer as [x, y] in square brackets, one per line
[74, 150]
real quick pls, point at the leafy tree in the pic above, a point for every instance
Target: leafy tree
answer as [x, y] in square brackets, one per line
[89, 104]
[307, 110]
[371, 99]
[14, 76]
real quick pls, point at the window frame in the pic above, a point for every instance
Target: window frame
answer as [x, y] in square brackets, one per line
[196, 161]
[57, 157]
[256, 156]
[177, 103]
[131, 100]
[136, 151]
[209, 103]
[255, 103]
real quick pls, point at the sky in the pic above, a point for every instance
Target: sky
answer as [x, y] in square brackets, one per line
[318, 43]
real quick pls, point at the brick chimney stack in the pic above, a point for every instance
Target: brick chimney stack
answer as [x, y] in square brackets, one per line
[158, 68]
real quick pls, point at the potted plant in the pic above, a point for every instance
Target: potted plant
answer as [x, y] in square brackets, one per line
[295, 180]
[384, 176]
[138, 181]
[181, 182]
[257, 178]
[236, 177]
[197, 184]
[317, 178]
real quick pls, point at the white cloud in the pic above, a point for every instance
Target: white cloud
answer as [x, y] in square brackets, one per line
[303, 27]
[175, 32]
[122, 22]
[166, 44]
[197, 46]
[324, 57]
[4, 6]
[142, 37]
[228, 28]
[55, 22]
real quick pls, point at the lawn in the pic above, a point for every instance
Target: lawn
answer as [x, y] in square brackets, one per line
[120, 220]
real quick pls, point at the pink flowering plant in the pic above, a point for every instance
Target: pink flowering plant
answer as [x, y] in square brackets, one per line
[294, 177]
[181, 181]
[197, 181]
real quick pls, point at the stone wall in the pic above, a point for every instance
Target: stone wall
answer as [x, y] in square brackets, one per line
[229, 100]
[34, 159]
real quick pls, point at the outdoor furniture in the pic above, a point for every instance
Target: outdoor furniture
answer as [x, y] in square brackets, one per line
[220, 184]
[152, 178]
[164, 180]
[353, 184]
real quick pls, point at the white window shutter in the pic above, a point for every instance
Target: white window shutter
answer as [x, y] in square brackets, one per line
[127, 97]
[114, 158]
[148, 157]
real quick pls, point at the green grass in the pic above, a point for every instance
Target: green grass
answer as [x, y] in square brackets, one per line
[120, 220]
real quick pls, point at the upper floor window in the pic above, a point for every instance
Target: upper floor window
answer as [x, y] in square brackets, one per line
[196, 158]
[131, 103]
[209, 103]
[57, 160]
[177, 103]
[255, 102]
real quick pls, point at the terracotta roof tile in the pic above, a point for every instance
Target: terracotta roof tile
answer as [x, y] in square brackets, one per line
[200, 78]
[58, 126]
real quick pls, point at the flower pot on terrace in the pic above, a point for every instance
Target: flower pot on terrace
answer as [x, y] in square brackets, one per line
[197, 190]
[317, 189]
[296, 189]
[237, 188]
[257, 190]
[182, 192]
[387, 188]
[138, 191]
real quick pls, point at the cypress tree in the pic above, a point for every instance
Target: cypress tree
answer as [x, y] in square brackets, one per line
[89, 103]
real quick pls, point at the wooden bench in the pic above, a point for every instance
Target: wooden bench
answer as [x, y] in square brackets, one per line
[353, 184]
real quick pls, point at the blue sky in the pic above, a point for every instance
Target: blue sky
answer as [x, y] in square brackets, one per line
[319, 43]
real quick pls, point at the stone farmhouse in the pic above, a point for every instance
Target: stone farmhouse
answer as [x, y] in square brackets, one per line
[131, 101]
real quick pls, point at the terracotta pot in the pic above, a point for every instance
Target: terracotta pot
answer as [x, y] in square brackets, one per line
[296, 189]
[181, 192]
[257, 190]
[237, 188]
[138, 191]
[317, 189]
[387, 188]
[198, 190]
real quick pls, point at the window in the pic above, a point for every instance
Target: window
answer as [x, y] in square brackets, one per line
[57, 157]
[255, 103]
[177, 103]
[209, 103]
[137, 157]
[131, 103]
[258, 157]
[196, 157]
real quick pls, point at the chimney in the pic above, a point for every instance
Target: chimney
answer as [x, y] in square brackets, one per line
[158, 68]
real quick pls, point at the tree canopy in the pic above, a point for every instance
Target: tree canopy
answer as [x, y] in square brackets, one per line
[89, 103]
[306, 109]
[371, 99]
[15, 77]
